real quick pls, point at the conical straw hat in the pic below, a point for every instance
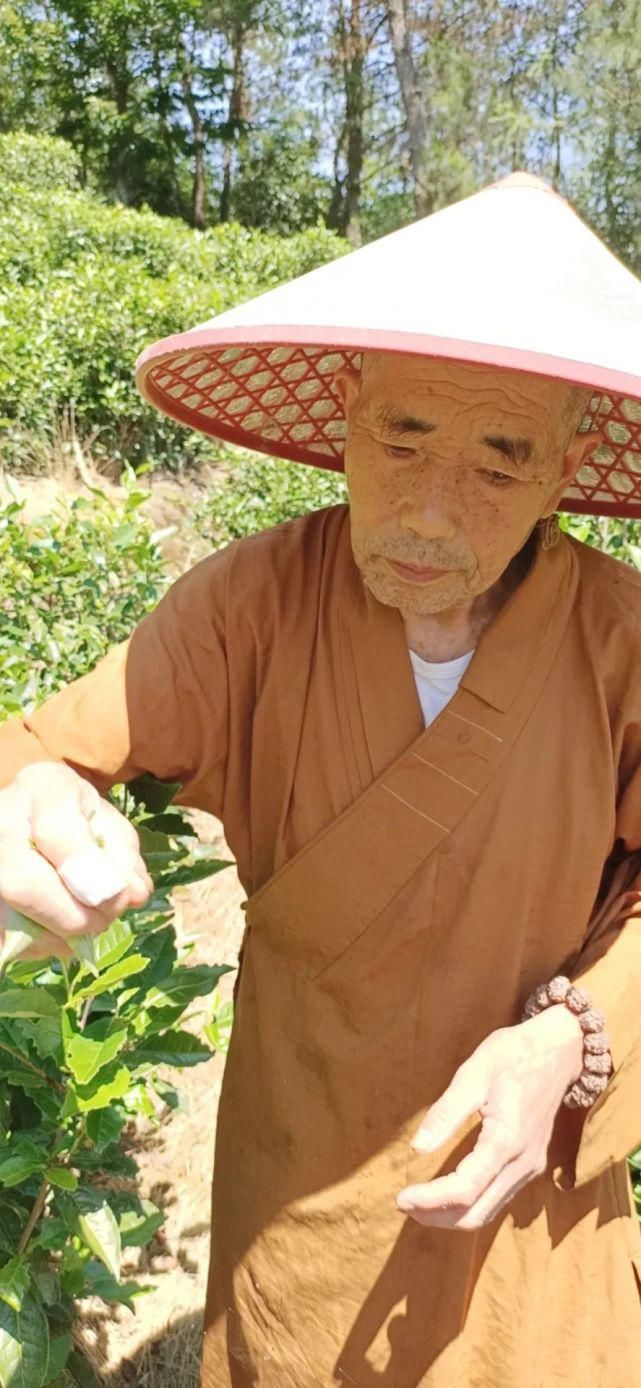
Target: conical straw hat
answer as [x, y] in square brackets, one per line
[510, 277]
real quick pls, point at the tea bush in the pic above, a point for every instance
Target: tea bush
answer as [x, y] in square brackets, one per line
[81, 1046]
[262, 492]
[74, 583]
[85, 286]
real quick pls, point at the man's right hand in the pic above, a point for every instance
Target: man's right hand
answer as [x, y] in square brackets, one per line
[51, 817]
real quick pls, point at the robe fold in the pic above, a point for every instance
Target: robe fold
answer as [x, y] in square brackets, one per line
[407, 888]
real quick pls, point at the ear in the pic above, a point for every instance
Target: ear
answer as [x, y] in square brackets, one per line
[346, 383]
[580, 447]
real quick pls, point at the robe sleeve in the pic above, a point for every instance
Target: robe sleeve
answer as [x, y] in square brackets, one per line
[609, 968]
[157, 702]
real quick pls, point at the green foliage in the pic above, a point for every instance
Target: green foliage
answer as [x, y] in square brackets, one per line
[39, 162]
[80, 1052]
[85, 287]
[75, 582]
[262, 492]
[276, 187]
[620, 538]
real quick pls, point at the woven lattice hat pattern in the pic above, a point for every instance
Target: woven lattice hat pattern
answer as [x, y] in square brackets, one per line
[510, 277]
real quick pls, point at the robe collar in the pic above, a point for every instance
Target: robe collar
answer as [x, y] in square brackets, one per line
[497, 672]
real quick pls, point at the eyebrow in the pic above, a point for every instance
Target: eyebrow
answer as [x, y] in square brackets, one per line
[516, 450]
[398, 423]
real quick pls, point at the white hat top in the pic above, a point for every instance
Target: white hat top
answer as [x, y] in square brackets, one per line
[509, 277]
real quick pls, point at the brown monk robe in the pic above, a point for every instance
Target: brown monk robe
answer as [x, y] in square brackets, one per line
[407, 889]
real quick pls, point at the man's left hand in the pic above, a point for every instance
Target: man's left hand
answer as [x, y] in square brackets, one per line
[516, 1080]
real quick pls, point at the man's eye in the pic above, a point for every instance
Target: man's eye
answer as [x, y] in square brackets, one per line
[394, 450]
[498, 479]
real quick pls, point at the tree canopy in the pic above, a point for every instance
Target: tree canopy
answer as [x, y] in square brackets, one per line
[360, 114]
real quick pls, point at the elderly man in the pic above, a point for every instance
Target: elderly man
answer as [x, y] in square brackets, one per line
[419, 721]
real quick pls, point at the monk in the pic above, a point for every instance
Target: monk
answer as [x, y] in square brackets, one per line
[418, 719]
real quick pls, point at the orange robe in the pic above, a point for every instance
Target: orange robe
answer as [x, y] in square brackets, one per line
[407, 888]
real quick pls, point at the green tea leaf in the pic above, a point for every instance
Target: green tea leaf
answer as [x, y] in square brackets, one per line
[99, 1230]
[154, 794]
[196, 872]
[105, 1127]
[112, 944]
[174, 824]
[14, 1282]
[24, 1345]
[19, 933]
[62, 1177]
[84, 949]
[89, 1215]
[185, 984]
[138, 1224]
[27, 1002]
[101, 1283]
[18, 1165]
[174, 1048]
[59, 1350]
[133, 964]
[81, 1371]
[98, 1095]
[89, 1051]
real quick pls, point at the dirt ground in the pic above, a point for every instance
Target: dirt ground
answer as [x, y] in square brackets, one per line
[158, 1344]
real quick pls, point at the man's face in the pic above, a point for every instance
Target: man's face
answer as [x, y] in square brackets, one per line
[449, 467]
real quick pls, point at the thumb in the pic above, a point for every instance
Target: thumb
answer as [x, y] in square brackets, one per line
[463, 1097]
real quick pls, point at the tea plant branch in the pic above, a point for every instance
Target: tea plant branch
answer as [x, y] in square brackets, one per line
[17, 1055]
[40, 1201]
[36, 1214]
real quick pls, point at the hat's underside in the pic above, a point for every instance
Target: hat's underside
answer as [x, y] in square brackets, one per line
[277, 398]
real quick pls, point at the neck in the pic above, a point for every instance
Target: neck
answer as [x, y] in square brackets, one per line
[446, 635]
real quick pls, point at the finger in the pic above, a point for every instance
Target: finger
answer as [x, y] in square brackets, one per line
[495, 1148]
[464, 1215]
[67, 833]
[463, 1097]
[29, 884]
[498, 1195]
[120, 840]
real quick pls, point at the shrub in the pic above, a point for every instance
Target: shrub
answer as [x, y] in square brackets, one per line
[38, 161]
[86, 286]
[261, 492]
[74, 583]
[81, 1047]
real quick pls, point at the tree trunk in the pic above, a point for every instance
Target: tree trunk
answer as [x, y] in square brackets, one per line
[199, 195]
[237, 113]
[413, 101]
[354, 102]
[343, 214]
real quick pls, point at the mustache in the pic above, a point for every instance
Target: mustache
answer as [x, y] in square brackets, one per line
[435, 555]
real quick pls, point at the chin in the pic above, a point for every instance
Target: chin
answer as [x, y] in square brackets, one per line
[420, 601]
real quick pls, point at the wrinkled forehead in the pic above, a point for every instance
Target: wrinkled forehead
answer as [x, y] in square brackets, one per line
[464, 391]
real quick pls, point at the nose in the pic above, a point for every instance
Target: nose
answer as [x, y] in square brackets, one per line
[428, 515]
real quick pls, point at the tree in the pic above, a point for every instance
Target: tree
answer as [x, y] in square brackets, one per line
[400, 24]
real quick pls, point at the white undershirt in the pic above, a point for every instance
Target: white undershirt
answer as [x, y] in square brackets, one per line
[437, 682]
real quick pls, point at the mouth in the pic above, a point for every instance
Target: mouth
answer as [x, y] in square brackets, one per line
[411, 573]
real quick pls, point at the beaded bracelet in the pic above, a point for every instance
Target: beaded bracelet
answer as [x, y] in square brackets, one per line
[597, 1059]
